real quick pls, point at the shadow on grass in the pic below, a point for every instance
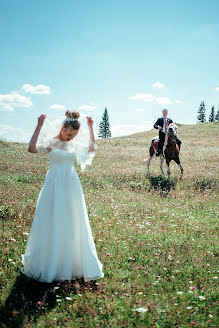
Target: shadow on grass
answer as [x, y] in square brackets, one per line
[162, 184]
[29, 299]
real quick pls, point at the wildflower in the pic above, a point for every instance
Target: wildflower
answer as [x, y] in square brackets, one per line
[211, 315]
[58, 300]
[179, 293]
[141, 310]
[140, 293]
[68, 298]
[215, 278]
[189, 307]
[201, 298]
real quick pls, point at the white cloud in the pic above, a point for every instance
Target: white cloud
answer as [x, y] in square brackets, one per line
[177, 101]
[128, 129]
[217, 89]
[139, 109]
[158, 85]
[9, 133]
[163, 101]
[57, 106]
[40, 89]
[87, 107]
[10, 101]
[146, 97]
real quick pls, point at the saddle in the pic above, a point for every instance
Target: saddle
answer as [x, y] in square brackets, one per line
[155, 143]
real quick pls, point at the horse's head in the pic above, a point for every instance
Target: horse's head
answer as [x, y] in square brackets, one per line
[172, 130]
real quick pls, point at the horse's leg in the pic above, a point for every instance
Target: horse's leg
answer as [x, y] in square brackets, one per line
[161, 164]
[148, 161]
[181, 167]
[168, 167]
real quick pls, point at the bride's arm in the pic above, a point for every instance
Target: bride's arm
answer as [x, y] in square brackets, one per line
[33, 141]
[92, 139]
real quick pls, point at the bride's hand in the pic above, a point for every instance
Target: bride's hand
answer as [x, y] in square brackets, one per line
[90, 121]
[41, 119]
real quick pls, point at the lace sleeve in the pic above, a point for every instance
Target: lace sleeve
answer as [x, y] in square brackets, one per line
[43, 147]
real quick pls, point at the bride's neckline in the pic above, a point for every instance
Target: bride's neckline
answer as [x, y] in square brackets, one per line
[60, 139]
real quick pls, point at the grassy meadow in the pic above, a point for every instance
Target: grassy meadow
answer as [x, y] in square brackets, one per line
[157, 238]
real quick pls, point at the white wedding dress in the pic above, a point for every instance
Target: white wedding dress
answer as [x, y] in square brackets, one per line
[60, 245]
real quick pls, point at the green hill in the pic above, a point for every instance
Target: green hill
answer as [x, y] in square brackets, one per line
[156, 238]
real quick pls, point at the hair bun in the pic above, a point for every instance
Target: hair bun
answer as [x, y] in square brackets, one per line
[72, 114]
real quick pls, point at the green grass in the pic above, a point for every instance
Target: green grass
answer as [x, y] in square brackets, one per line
[157, 238]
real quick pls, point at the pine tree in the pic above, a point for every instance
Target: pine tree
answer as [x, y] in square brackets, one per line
[201, 113]
[104, 126]
[217, 116]
[211, 117]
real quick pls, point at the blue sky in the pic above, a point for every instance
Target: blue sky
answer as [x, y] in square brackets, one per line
[133, 57]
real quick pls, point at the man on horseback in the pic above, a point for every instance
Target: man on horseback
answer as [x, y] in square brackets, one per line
[162, 125]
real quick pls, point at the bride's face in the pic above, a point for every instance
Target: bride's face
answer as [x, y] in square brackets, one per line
[68, 134]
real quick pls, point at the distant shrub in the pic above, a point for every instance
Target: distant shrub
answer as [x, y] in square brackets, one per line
[4, 143]
[205, 183]
[7, 212]
[136, 185]
[27, 179]
[163, 184]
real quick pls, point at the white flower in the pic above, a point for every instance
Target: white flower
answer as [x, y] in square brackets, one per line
[189, 307]
[175, 303]
[179, 293]
[25, 233]
[56, 287]
[58, 300]
[211, 315]
[201, 298]
[68, 298]
[215, 277]
[141, 310]
[140, 293]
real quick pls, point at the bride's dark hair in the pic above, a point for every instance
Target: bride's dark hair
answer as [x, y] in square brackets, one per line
[72, 120]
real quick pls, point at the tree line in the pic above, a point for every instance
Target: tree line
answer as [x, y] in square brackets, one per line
[104, 126]
[201, 117]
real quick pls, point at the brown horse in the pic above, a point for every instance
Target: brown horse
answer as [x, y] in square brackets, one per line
[170, 151]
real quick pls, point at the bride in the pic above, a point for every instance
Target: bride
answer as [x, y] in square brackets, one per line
[60, 245]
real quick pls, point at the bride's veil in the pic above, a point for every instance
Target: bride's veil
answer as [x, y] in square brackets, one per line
[80, 144]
